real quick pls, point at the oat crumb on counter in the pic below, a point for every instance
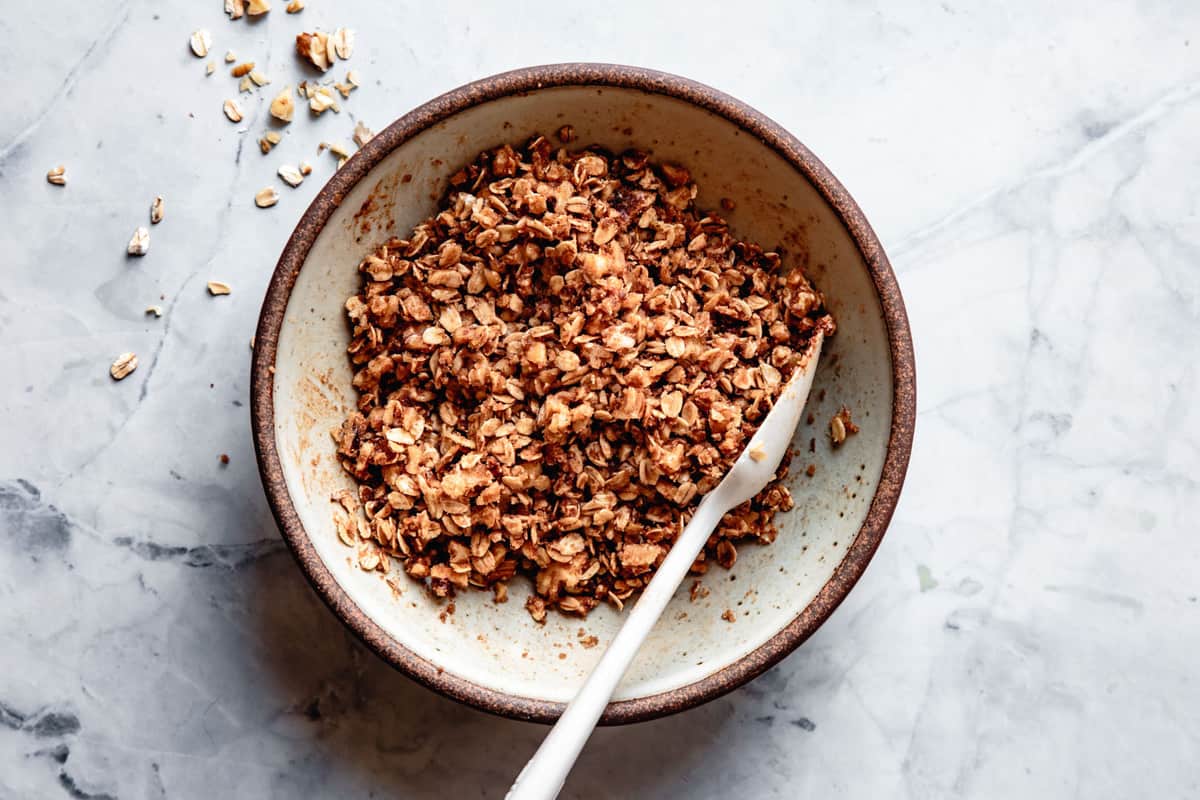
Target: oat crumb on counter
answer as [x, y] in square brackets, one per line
[124, 364]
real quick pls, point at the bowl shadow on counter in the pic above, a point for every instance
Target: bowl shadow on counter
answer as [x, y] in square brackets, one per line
[356, 713]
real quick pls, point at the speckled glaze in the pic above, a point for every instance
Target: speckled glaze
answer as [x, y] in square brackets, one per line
[495, 657]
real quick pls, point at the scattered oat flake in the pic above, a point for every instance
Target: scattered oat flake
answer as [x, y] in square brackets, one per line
[216, 288]
[290, 175]
[246, 85]
[343, 43]
[841, 426]
[269, 140]
[256, 7]
[305, 168]
[258, 78]
[210, 68]
[330, 50]
[139, 243]
[232, 111]
[266, 197]
[156, 210]
[283, 107]
[230, 57]
[757, 452]
[242, 69]
[837, 430]
[155, 310]
[353, 78]
[235, 8]
[313, 47]
[123, 366]
[200, 42]
[337, 149]
[295, 7]
[57, 176]
[344, 89]
[321, 99]
[362, 134]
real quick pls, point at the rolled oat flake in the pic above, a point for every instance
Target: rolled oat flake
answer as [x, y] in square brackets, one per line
[125, 364]
[139, 243]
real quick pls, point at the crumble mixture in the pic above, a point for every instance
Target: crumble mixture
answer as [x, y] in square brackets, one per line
[554, 369]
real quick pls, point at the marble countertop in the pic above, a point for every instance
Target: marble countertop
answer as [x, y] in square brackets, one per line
[1030, 626]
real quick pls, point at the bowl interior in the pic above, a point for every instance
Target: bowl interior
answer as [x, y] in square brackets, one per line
[499, 647]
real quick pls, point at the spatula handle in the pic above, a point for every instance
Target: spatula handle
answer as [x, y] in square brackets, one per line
[544, 775]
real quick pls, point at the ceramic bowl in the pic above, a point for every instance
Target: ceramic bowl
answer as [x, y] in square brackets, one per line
[494, 656]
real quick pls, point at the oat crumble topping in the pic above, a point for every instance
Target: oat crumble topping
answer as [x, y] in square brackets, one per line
[554, 369]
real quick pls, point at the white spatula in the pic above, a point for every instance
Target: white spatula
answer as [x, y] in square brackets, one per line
[544, 775]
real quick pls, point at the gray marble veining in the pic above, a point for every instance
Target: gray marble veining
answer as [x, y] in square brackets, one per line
[1031, 624]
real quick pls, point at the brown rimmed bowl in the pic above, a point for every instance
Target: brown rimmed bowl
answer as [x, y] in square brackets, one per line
[495, 657]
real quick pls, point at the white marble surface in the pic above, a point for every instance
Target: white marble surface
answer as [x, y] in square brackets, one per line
[1032, 169]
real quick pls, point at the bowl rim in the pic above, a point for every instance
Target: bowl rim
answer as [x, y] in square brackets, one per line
[522, 81]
